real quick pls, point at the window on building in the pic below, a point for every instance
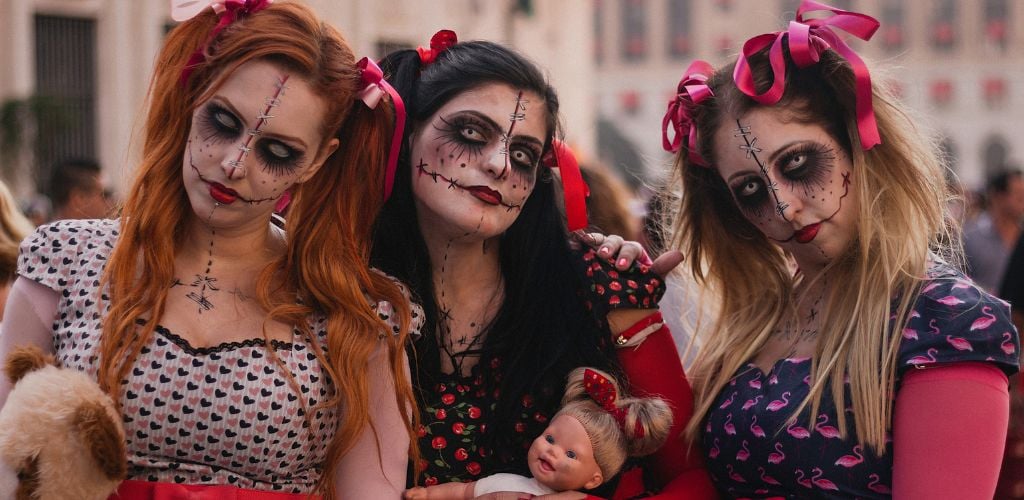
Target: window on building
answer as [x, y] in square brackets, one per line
[941, 92]
[997, 17]
[65, 50]
[634, 29]
[995, 155]
[385, 47]
[943, 22]
[680, 19]
[629, 102]
[893, 26]
[993, 91]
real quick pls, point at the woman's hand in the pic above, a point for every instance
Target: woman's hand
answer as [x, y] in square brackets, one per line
[624, 252]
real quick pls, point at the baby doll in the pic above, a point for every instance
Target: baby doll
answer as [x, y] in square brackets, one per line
[586, 443]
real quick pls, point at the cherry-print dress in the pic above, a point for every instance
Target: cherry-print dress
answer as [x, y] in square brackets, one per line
[221, 415]
[754, 450]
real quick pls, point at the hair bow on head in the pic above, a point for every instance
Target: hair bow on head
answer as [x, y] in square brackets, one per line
[574, 189]
[373, 86]
[807, 39]
[602, 391]
[439, 43]
[229, 10]
[692, 90]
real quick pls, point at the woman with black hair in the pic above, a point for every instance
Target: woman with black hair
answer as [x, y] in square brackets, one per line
[475, 228]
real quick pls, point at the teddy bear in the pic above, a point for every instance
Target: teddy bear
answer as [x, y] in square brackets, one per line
[61, 436]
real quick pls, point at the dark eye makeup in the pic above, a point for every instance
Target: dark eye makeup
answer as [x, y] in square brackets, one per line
[807, 166]
[218, 124]
[469, 135]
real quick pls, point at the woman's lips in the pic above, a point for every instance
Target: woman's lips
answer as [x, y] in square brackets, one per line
[485, 194]
[222, 194]
[807, 233]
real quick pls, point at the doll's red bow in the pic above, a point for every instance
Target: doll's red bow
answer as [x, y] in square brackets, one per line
[602, 391]
[692, 90]
[439, 43]
[807, 39]
[229, 10]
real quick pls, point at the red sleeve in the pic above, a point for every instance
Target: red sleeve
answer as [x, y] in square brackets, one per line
[654, 369]
[949, 430]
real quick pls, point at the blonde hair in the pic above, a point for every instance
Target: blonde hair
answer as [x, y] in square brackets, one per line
[901, 221]
[13, 228]
[326, 262]
[645, 427]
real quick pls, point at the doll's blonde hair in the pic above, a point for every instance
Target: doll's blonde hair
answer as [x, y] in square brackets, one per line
[901, 226]
[645, 427]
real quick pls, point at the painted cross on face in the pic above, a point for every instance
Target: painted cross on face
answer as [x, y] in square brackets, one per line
[475, 162]
[792, 181]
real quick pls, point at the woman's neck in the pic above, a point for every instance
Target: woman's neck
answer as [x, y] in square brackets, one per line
[464, 270]
[229, 251]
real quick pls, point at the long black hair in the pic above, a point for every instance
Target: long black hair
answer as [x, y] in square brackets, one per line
[542, 329]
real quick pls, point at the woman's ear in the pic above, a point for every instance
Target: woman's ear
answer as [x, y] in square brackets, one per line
[325, 152]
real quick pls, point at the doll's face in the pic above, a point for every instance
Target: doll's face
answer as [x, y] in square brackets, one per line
[475, 161]
[562, 458]
[257, 136]
[792, 181]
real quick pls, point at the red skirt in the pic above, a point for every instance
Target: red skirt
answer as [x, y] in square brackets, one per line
[146, 490]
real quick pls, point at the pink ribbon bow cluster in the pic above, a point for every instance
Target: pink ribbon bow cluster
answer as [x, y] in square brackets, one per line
[692, 90]
[602, 391]
[229, 11]
[807, 39]
[373, 87]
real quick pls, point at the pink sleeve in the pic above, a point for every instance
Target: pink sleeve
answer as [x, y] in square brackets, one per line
[375, 466]
[949, 430]
[28, 319]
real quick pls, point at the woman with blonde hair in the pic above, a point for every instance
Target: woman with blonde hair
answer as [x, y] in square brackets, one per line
[876, 368]
[13, 228]
[247, 359]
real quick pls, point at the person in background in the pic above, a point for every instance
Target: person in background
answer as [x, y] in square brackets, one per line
[873, 368]
[1011, 475]
[14, 227]
[77, 192]
[609, 204]
[990, 237]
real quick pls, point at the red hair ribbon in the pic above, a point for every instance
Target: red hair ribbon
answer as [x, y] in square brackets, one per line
[438, 44]
[807, 39]
[229, 10]
[574, 189]
[373, 86]
[602, 391]
[692, 90]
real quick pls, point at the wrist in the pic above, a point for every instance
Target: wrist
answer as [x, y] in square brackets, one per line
[639, 330]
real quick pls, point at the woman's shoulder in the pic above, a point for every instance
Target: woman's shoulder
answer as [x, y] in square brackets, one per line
[55, 251]
[955, 320]
[386, 311]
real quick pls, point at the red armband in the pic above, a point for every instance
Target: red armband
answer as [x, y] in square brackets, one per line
[641, 329]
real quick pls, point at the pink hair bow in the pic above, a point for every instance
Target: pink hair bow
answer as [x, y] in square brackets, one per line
[229, 10]
[692, 90]
[807, 39]
[373, 87]
[439, 43]
[602, 391]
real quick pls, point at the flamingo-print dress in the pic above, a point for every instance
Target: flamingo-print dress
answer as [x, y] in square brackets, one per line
[753, 451]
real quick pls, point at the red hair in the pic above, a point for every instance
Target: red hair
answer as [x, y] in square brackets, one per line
[326, 262]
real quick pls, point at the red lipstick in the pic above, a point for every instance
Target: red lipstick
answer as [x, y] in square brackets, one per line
[485, 194]
[807, 233]
[221, 194]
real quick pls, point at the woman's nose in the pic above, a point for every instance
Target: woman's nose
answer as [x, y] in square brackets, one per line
[234, 163]
[497, 162]
[788, 203]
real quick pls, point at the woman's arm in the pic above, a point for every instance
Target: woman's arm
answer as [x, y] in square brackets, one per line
[28, 319]
[654, 369]
[949, 431]
[375, 467]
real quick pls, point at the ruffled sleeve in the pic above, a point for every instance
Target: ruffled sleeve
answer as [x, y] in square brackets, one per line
[953, 321]
[386, 311]
[66, 252]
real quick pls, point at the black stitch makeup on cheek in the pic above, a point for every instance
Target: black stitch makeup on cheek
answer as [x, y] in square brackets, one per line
[422, 168]
[751, 150]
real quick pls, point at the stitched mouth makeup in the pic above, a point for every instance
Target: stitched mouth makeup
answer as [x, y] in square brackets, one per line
[482, 193]
[220, 193]
[223, 195]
